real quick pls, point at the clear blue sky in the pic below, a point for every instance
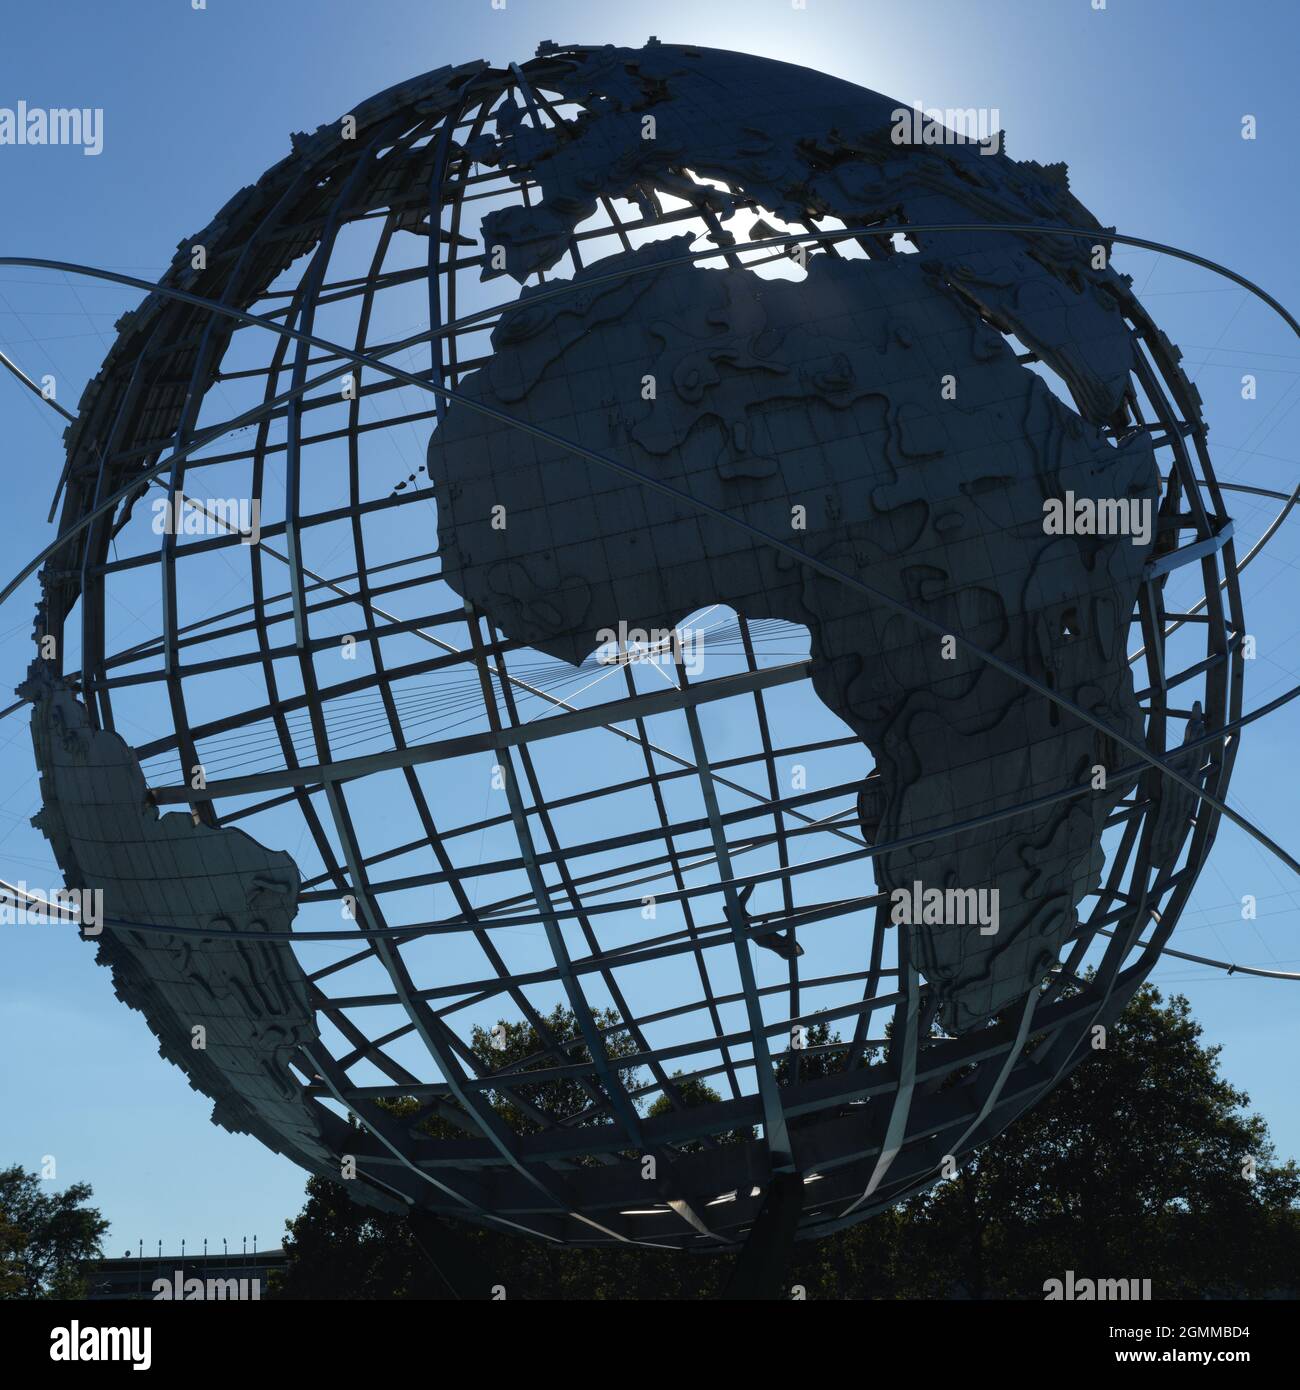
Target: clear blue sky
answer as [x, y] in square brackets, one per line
[1144, 101]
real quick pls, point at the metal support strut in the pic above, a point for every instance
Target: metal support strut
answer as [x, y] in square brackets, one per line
[761, 1266]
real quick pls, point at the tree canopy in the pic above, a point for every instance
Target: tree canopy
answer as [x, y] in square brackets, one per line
[46, 1237]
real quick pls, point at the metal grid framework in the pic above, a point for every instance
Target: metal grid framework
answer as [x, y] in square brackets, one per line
[866, 1119]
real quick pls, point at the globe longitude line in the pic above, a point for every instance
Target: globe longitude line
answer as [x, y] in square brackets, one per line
[431, 1030]
[614, 1089]
[397, 729]
[774, 1120]
[303, 303]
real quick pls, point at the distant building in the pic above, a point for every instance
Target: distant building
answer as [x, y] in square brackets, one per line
[235, 1276]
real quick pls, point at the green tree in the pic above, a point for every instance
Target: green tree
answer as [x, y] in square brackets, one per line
[46, 1237]
[1134, 1166]
[1142, 1163]
[11, 1275]
[338, 1249]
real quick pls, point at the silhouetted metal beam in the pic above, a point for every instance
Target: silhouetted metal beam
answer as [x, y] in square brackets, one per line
[761, 1266]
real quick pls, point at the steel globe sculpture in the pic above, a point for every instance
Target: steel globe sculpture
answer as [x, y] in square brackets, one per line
[565, 672]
